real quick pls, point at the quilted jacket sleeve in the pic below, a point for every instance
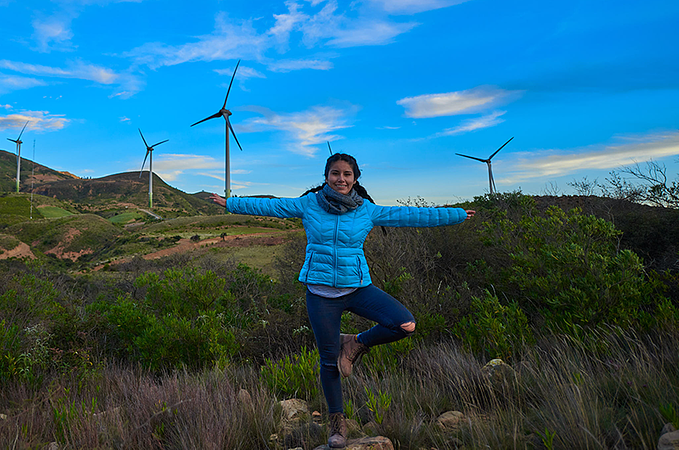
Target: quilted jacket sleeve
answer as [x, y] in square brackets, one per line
[410, 216]
[272, 207]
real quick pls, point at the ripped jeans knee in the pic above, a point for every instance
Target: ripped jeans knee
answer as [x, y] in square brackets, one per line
[408, 328]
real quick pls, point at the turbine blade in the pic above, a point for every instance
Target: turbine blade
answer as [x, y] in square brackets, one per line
[329, 147]
[12, 140]
[144, 163]
[503, 145]
[142, 138]
[234, 134]
[208, 118]
[22, 130]
[229, 90]
[160, 143]
[471, 157]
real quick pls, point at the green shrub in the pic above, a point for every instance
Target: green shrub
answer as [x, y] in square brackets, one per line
[494, 330]
[566, 270]
[293, 376]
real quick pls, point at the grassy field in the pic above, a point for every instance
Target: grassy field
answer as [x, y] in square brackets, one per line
[53, 212]
[126, 217]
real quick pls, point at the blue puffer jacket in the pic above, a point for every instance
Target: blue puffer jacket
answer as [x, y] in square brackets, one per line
[334, 251]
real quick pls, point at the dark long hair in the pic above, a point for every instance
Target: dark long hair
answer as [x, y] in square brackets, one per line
[360, 190]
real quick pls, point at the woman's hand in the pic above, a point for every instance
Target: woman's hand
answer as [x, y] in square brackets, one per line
[470, 214]
[221, 201]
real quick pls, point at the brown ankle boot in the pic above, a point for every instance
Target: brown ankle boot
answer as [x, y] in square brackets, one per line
[350, 353]
[338, 431]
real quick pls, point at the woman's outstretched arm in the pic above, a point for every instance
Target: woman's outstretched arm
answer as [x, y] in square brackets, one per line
[272, 207]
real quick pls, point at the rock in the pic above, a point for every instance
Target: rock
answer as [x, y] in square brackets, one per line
[370, 427]
[450, 420]
[366, 443]
[53, 446]
[294, 409]
[669, 441]
[316, 417]
[244, 397]
[499, 373]
[353, 428]
[668, 428]
[303, 435]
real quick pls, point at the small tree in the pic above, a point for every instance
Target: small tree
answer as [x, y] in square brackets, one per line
[654, 187]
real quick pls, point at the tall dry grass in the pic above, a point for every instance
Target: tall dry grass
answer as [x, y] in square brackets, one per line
[604, 391]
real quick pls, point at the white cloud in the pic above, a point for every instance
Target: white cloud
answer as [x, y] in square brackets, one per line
[470, 101]
[10, 83]
[288, 65]
[305, 129]
[369, 32]
[474, 124]
[169, 166]
[53, 33]
[558, 162]
[286, 23]
[129, 84]
[388, 128]
[229, 40]
[125, 119]
[6, 106]
[413, 6]
[37, 121]
[243, 73]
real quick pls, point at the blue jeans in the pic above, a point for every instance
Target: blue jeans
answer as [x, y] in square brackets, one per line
[325, 314]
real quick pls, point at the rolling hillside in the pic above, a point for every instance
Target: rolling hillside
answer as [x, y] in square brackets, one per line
[31, 174]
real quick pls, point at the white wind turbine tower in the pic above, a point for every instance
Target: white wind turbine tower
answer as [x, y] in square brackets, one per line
[18, 142]
[491, 180]
[149, 155]
[226, 113]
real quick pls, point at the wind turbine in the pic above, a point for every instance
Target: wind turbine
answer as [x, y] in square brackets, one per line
[149, 154]
[226, 113]
[18, 142]
[491, 180]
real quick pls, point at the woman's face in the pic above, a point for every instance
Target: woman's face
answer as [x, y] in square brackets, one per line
[341, 177]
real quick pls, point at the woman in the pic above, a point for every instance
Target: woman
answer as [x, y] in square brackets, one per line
[337, 218]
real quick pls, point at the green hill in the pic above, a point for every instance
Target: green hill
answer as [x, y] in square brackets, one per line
[66, 237]
[124, 190]
[31, 173]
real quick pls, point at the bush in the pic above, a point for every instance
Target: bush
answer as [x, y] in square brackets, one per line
[293, 376]
[566, 272]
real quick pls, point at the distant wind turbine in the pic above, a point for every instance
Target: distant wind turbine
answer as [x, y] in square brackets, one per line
[149, 154]
[491, 180]
[226, 113]
[18, 142]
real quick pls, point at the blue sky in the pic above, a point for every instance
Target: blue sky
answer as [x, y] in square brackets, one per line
[585, 87]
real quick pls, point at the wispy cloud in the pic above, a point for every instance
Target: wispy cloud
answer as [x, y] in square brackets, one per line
[470, 101]
[302, 23]
[53, 33]
[413, 6]
[169, 166]
[243, 72]
[129, 84]
[289, 65]
[77, 69]
[229, 40]
[37, 121]
[11, 83]
[305, 129]
[557, 162]
[474, 124]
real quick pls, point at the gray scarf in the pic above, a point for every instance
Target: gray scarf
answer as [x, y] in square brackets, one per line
[336, 203]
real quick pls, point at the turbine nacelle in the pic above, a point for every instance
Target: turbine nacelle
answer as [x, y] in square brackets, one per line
[491, 180]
